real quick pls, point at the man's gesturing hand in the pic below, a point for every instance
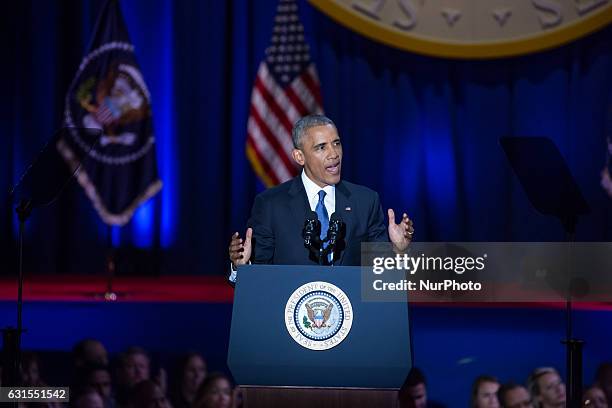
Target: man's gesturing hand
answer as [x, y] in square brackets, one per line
[239, 249]
[400, 234]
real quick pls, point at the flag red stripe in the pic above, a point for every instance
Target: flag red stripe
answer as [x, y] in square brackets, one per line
[313, 86]
[262, 162]
[278, 129]
[267, 133]
[278, 112]
[296, 101]
[279, 95]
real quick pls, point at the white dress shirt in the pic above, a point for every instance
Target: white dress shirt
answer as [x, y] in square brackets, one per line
[312, 192]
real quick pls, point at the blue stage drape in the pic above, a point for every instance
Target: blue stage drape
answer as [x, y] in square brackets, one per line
[421, 131]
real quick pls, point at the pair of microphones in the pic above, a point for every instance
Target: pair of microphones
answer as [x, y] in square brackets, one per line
[312, 234]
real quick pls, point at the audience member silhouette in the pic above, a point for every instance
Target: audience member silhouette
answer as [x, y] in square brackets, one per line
[215, 392]
[546, 388]
[512, 395]
[189, 375]
[484, 392]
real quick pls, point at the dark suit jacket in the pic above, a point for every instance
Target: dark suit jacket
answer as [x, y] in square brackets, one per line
[278, 215]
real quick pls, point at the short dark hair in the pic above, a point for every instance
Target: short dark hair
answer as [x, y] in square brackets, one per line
[303, 124]
[79, 348]
[602, 370]
[504, 389]
[132, 351]
[415, 377]
[28, 358]
[478, 382]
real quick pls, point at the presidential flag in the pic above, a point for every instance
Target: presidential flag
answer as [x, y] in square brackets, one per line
[108, 92]
[285, 89]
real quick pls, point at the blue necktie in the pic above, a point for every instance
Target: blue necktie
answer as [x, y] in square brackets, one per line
[322, 215]
[324, 218]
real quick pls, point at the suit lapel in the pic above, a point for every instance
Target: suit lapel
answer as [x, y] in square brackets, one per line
[298, 202]
[344, 208]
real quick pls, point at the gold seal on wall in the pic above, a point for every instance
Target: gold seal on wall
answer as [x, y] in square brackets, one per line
[471, 29]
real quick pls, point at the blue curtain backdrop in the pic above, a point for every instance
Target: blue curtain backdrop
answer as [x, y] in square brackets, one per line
[422, 131]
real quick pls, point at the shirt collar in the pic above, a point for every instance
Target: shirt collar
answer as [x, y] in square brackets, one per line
[312, 190]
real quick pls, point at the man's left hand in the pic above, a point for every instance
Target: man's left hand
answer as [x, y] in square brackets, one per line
[400, 234]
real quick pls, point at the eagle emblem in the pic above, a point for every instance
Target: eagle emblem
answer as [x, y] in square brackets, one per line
[319, 316]
[114, 104]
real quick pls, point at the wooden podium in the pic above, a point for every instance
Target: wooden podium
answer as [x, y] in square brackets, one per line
[291, 344]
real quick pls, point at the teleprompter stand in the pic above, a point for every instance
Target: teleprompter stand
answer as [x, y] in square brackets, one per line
[40, 185]
[552, 190]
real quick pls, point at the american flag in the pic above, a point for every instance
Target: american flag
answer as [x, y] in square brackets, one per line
[286, 88]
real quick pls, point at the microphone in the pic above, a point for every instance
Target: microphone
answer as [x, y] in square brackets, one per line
[336, 226]
[312, 229]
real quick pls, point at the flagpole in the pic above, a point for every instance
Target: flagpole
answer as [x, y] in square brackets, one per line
[110, 295]
[97, 24]
[110, 54]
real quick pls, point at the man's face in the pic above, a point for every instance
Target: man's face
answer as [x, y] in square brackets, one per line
[136, 369]
[96, 353]
[417, 396]
[487, 395]
[321, 155]
[100, 380]
[552, 390]
[517, 398]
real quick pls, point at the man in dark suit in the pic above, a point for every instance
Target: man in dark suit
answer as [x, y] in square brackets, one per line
[274, 233]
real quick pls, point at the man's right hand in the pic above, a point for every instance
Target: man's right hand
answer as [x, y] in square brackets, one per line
[239, 249]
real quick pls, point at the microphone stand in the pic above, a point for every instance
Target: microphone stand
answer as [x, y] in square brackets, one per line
[11, 336]
[329, 250]
[323, 252]
[315, 244]
[334, 233]
[312, 241]
[317, 248]
[40, 185]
